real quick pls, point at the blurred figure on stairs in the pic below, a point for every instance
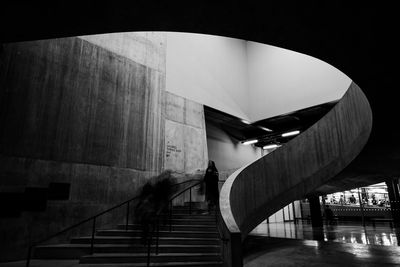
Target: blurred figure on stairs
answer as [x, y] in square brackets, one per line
[153, 199]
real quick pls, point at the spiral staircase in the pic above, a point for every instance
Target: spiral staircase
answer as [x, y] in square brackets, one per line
[293, 171]
[251, 194]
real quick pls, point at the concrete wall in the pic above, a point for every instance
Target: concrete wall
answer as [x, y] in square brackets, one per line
[146, 48]
[84, 111]
[185, 140]
[185, 135]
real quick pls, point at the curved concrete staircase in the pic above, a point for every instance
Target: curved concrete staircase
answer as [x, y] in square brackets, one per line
[193, 241]
[251, 194]
[293, 171]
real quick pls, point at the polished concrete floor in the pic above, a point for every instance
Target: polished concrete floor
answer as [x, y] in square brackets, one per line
[289, 244]
[271, 252]
[345, 244]
[344, 232]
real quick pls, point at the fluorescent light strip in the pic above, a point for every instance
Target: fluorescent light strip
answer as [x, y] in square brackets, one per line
[247, 122]
[265, 128]
[290, 133]
[250, 142]
[271, 146]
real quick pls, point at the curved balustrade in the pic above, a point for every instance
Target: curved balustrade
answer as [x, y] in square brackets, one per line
[256, 191]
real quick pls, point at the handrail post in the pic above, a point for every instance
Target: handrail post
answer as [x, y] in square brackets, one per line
[361, 207]
[28, 260]
[216, 214]
[158, 235]
[92, 240]
[170, 216]
[149, 247]
[190, 200]
[127, 216]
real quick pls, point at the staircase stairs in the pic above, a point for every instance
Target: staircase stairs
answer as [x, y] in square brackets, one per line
[192, 241]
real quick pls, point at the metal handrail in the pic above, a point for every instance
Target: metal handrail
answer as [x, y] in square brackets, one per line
[94, 217]
[157, 227]
[162, 211]
[218, 211]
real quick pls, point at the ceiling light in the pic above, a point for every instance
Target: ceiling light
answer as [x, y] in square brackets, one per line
[250, 142]
[290, 133]
[271, 146]
[265, 128]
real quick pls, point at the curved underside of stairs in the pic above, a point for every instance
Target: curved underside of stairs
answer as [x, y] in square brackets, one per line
[291, 172]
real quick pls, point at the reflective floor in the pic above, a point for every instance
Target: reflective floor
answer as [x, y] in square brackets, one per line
[349, 232]
[271, 252]
[344, 244]
[289, 244]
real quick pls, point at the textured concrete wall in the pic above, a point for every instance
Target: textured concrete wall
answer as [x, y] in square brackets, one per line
[146, 48]
[185, 135]
[80, 111]
[69, 100]
[185, 139]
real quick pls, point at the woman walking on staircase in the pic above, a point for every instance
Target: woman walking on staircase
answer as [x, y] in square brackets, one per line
[211, 183]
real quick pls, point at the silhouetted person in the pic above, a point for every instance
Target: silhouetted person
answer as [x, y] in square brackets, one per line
[328, 215]
[374, 202]
[211, 184]
[352, 199]
[341, 200]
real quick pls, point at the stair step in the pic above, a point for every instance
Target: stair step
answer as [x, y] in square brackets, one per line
[137, 240]
[187, 221]
[180, 215]
[174, 227]
[160, 264]
[186, 203]
[195, 206]
[117, 232]
[194, 210]
[200, 207]
[75, 251]
[188, 210]
[142, 257]
[190, 221]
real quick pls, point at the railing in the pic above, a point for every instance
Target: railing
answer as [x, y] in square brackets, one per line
[94, 218]
[156, 228]
[220, 226]
[156, 225]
